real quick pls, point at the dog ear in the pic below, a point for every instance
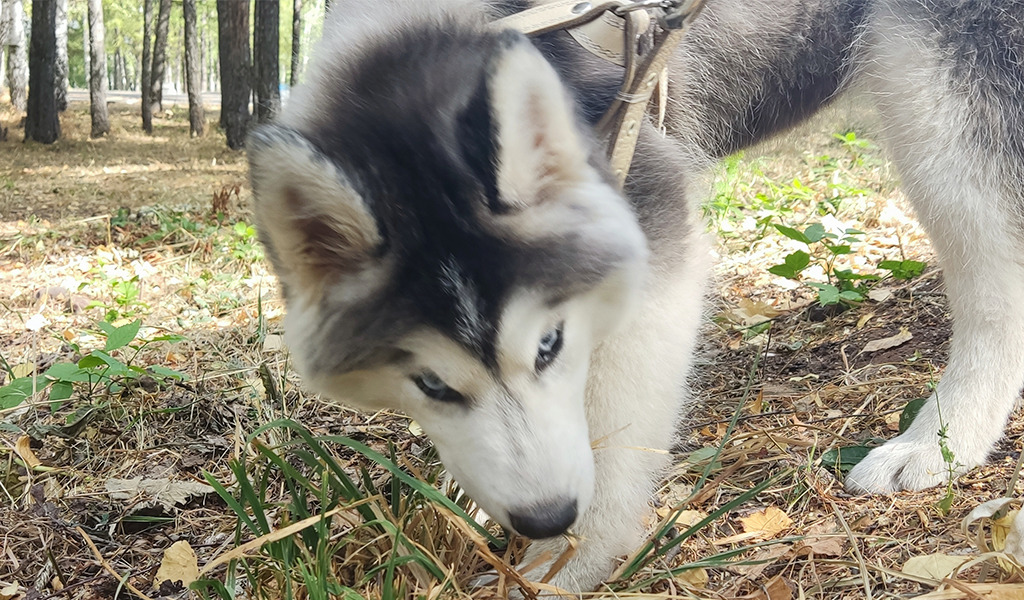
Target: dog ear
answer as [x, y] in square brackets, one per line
[540, 149]
[315, 225]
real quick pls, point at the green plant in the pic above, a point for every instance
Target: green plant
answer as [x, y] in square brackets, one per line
[96, 371]
[306, 564]
[824, 248]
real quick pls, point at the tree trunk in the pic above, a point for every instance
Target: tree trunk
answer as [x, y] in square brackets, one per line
[86, 53]
[235, 70]
[116, 85]
[147, 66]
[17, 54]
[163, 22]
[61, 67]
[266, 59]
[43, 122]
[296, 70]
[97, 71]
[193, 69]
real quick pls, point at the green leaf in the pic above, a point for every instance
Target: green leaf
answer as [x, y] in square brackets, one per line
[114, 366]
[903, 269]
[783, 271]
[839, 250]
[909, 413]
[122, 336]
[106, 327]
[798, 260]
[166, 373]
[68, 372]
[793, 234]
[844, 459]
[60, 390]
[851, 296]
[827, 294]
[169, 337]
[15, 392]
[90, 361]
[815, 232]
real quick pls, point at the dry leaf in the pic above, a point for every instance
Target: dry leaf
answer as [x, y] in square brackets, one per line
[861, 322]
[179, 565]
[693, 578]
[821, 546]
[22, 447]
[766, 523]
[273, 342]
[933, 566]
[880, 294]
[899, 339]
[751, 312]
[762, 560]
[8, 590]
[415, 428]
[23, 370]
[1013, 543]
[776, 589]
[163, 492]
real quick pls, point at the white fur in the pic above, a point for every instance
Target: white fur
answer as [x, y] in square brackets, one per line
[960, 202]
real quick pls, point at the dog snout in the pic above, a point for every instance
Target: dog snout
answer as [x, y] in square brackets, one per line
[544, 520]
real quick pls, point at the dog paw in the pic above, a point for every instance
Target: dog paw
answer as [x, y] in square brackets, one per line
[908, 464]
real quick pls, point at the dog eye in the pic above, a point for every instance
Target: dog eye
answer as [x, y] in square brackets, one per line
[550, 346]
[434, 387]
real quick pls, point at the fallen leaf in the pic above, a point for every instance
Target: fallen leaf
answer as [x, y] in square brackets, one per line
[861, 322]
[8, 590]
[415, 428]
[751, 312]
[934, 566]
[776, 589]
[693, 578]
[766, 523]
[880, 294]
[273, 342]
[899, 339]
[821, 546]
[1013, 542]
[762, 560]
[23, 370]
[179, 566]
[163, 492]
[24, 450]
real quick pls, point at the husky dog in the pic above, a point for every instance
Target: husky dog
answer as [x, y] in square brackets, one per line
[451, 244]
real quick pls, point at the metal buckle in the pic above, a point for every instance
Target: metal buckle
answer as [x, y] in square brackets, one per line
[672, 14]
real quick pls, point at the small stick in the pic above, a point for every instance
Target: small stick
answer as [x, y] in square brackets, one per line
[856, 550]
[123, 580]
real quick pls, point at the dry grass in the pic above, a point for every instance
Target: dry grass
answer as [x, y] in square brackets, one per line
[87, 216]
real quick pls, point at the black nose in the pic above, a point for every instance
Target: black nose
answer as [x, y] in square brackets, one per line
[544, 520]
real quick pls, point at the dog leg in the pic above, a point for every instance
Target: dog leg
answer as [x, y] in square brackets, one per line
[962, 189]
[635, 394]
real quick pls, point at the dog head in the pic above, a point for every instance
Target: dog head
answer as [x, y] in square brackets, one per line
[447, 247]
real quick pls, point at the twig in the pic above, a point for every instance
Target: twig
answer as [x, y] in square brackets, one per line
[123, 580]
[856, 550]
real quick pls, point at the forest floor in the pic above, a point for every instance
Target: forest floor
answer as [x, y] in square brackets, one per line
[132, 283]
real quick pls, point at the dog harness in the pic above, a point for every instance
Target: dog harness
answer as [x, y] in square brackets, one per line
[614, 30]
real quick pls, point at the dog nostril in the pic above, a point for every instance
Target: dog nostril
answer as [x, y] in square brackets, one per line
[544, 520]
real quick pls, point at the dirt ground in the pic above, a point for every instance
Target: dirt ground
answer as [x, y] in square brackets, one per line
[156, 229]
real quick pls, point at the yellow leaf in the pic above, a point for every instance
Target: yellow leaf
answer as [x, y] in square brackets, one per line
[25, 452]
[179, 565]
[766, 523]
[694, 578]
[23, 370]
[934, 566]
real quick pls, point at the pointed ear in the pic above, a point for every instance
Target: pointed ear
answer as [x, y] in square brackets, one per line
[314, 224]
[540, 149]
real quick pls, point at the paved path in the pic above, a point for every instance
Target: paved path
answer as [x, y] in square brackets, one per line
[211, 99]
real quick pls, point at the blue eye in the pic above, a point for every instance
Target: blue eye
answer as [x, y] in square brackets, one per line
[549, 347]
[434, 387]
